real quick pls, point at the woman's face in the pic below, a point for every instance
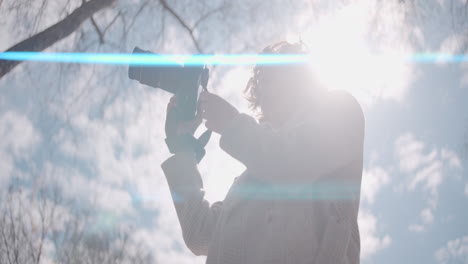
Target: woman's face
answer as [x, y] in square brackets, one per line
[281, 90]
[275, 96]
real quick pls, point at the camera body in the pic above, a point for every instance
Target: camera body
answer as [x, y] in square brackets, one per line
[184, 81]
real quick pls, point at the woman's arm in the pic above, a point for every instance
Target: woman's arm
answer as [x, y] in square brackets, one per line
[196, 216]
[317, 145]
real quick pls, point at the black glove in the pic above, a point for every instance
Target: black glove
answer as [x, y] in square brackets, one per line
[178, 141]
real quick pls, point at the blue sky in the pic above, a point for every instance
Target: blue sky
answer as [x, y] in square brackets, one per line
[98, 136]
[431, 125]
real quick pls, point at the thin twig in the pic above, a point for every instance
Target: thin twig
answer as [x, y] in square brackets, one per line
[207, 15]
[112, 22]
[182, 23]
[98, 30]
[137, 14]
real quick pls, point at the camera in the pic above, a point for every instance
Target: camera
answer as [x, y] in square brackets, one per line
[184, 81]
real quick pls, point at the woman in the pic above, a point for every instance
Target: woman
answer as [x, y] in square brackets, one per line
[298, 199]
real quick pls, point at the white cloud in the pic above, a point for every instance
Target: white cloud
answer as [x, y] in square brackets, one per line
[371, 242]
[126, 147]
[372, 181]
[466, 189]
[79, 188]
[18, 139]
[427, 218]
[455, 251]
[47, 257]
[416, 228]
[410, 153]
[430, 177]
[17, 133]
[111, 198]
[450, 157]
[453, 44]
[425, 168]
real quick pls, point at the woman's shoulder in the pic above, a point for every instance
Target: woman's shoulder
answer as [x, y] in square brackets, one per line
[344, 99]
[344, 104]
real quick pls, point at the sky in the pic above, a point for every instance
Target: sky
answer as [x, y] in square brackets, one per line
[98, 136]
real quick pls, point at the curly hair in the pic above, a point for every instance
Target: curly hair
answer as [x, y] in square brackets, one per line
[252, 90]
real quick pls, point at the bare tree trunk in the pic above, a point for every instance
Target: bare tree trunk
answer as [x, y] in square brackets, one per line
[55, 33]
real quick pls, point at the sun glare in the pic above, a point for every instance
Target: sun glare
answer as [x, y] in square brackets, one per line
[342, 57]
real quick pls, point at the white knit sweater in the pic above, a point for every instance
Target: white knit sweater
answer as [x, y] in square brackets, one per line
[297, 201]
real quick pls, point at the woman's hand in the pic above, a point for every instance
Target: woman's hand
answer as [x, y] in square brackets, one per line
[179, 133]
[217, 112]
[174, 125]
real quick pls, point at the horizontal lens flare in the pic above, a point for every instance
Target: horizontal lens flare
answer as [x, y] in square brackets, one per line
[323, 191]
[153, 59]
[285, 192]
[197, 60]
[435, 57]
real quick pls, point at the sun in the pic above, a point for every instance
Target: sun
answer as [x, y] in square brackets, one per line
[344, 56]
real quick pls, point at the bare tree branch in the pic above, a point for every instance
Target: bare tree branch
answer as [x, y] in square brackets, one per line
[57, 32]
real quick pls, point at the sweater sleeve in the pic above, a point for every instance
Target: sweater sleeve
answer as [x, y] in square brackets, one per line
[313, 147]
[196, 216]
